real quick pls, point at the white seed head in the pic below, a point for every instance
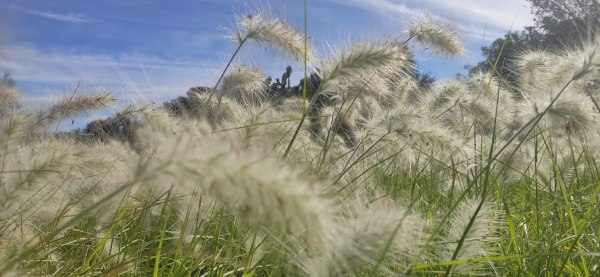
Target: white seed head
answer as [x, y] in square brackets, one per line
[439, 36]
[159, 119]
[363, 60]
[81, 103]
[365, 234]
[257, 187]
[478, 235]
[9, 96]
[264, 28]
[571, 113]
[244, 84]
[217, 113]
[586, 62]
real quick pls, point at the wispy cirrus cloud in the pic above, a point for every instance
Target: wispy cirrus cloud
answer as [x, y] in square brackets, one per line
[132, 77]
[472, 17]
[68, 17]
[383, 6]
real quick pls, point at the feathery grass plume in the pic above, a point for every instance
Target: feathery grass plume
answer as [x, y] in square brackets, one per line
[553, 70]
[420, 139]
[533, 60]
[407, 91]
[470, 107]
[373, 129]
[378, 144]
[512, 167]
[439, 36]
[258, 188]
[289, 107]
[9, 95]
[491, 87]
[336, 122]
[574, 112]
[101, 170]
[372, 88]
[158, 119]
[584, 64]
[360, 60]
[152, 119]
[536, 161]
[216, 113]
[379, 83]
[26, 173]
[75, 177]
[434, 146]
[406, 65]
[368, 234]
[12, 272]
[534, 68]
[368, 108]
[467, 113]
[441, 95]
[478, 239]
[425, 134]
[558, 160]
[571, 113]
[264, 28]
[80, 103]
[497, 93]
[270, 126]
[264, 126]
[59, 189]
[305, 148]
[244, 84]
[576, 67]
[13, 129]
[72, 105]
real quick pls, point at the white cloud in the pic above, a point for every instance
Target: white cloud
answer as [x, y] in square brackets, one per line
[383, 7]
[132, 77]
[473, 17]
[69, 18]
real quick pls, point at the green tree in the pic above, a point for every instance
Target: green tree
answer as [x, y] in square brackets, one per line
[559, 23]
[566, 22]
[503, 50]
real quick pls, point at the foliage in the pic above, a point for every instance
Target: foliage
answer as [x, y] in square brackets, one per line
[503, 51]
[567, 22]
[559, 25]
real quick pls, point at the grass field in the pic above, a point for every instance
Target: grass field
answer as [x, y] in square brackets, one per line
[358, 170]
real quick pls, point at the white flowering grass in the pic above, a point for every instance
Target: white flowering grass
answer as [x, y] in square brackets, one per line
[264, 27]
[244, 84]
[441, 37]
[470, 234]
[370, 234]
[469, 177]
[360, 60]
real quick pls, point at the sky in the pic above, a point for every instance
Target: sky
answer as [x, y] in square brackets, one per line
[152, 51]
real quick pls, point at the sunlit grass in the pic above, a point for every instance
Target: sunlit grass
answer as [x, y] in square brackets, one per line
[356, 171]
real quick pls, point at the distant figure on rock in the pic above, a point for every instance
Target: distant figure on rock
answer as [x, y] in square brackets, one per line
[285, 79]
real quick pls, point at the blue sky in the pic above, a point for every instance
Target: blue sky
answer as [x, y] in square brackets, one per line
[150, 50]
